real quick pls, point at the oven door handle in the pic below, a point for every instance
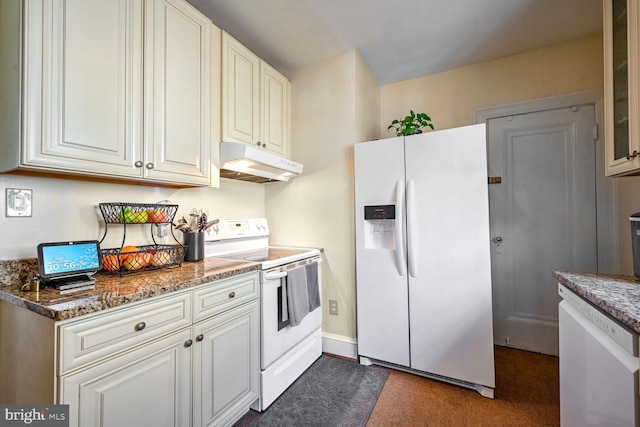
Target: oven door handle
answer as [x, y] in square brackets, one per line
[274, 276]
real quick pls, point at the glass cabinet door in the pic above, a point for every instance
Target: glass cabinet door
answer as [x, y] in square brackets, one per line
[622, 87]
[620, 74]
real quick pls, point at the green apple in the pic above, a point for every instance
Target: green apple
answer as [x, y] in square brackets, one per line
[126, 217]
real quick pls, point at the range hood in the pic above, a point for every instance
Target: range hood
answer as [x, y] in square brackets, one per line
[240, 161]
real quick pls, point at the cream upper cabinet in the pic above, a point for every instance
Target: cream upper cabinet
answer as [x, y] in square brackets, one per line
[178, 93]
[117, 88]
[255, 100]
[274, 90]
[622, 86]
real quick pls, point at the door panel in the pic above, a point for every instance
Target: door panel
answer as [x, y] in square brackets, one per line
[448, 230]
[382, 295]
[544, 210]
[83, 96]
[178, 141]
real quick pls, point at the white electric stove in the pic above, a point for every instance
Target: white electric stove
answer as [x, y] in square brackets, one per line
[285, 351]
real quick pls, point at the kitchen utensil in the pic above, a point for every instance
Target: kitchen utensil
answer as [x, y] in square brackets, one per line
[182, 227]
[210, 224]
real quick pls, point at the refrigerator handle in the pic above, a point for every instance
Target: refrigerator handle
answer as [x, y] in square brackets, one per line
[412, 229]
[399, 252]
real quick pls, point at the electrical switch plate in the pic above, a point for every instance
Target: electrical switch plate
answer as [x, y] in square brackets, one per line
[18, 202]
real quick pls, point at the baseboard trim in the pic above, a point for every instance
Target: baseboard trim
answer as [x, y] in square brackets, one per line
[339, 345]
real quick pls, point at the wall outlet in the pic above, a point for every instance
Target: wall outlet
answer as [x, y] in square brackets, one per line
[333, 307]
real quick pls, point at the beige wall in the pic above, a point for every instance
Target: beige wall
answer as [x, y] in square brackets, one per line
[334, 102]
[67, 209]
[450, 98]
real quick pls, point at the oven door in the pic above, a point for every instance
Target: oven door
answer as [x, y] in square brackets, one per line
[278, 336]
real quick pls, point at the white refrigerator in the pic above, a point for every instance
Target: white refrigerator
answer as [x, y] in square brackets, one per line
[423, 268]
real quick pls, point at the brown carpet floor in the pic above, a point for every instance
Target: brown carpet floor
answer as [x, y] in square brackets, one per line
[527, 394]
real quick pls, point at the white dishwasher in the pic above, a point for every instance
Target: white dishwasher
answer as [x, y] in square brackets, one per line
[598, 366]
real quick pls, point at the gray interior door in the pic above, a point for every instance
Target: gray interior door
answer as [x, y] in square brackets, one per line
[542, 216]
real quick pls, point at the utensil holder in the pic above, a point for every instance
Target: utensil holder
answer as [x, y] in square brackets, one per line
[195, 246]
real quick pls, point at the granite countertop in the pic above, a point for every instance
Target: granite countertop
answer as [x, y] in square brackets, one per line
[110, 289]
[618, 296]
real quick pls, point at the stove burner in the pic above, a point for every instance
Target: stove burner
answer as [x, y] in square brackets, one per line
[259, 258]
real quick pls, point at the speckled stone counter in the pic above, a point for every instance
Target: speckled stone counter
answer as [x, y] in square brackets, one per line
[111, 290]
[619, 296]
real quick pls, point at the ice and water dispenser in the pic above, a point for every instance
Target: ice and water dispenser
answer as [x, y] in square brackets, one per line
[380, 229]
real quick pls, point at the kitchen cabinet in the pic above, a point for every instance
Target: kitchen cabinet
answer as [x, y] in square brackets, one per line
[190, 357]
[622, 86]
[226, 356]
[120, 89]
[148, 386]
[255, 99]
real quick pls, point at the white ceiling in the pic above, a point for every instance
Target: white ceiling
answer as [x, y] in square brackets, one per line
[400, 39]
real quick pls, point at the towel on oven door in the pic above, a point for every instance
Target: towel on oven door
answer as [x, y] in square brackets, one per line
[297, 295]
[313, 286]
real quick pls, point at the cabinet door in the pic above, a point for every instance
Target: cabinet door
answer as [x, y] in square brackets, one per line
[226, 355]
[83, 86]
[240, 93]
[177, 93]
[275, 110]
[149, 386]
[622, 86]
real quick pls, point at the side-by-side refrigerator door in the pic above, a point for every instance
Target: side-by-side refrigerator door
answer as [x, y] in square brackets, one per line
[449, 254]
[381, 278]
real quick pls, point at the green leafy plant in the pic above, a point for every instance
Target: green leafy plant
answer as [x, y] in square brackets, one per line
[411, 124]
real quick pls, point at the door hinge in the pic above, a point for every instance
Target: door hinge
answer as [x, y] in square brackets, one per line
[595, 132]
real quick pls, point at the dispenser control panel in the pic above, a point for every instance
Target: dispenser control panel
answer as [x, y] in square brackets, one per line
[380, 212]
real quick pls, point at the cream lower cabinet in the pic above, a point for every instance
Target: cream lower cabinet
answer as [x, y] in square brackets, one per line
[189, 358]
[255, 100]
[226, 360]
[115, 88]
[149, 386]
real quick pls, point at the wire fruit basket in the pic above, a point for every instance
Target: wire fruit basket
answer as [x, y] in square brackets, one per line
[130, 259]
[137, 213]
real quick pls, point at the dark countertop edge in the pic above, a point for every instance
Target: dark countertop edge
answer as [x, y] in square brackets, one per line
[87, 302]
[625, 284]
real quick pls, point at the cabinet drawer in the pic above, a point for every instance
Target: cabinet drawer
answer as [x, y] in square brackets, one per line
[102, 335]
[224, 295]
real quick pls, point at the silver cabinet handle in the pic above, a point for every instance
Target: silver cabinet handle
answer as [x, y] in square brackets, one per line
[497, 239]
[149, 166]
[232, 295]
[140, 326]
[138, 164]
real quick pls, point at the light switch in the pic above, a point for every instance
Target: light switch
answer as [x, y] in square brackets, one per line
[18, 202]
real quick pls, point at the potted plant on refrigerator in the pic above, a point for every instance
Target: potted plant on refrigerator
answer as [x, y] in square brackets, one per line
[411, 124]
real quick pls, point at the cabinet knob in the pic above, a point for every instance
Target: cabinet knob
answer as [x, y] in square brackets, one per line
[264, 145]
[149, 166]
[200, 337]
[232, 294]
[138, 164]
[258, 143]
[188, 343]
[140, 326]
[632, 155]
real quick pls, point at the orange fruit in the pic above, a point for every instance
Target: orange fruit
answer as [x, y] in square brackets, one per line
[125, 250]
[144, 259]
[110, 263]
